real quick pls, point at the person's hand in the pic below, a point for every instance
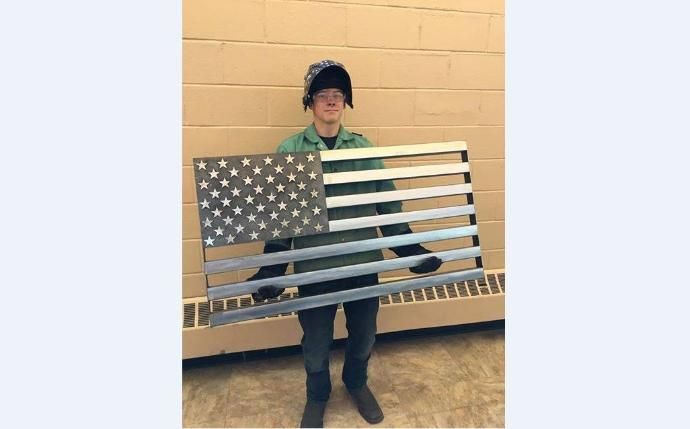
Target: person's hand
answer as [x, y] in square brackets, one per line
[268, 291]
[428, 265]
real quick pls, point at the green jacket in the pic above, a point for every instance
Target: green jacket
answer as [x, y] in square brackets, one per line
[308, 140]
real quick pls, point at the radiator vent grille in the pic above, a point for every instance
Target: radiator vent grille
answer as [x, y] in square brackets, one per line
[189, 313]
[492, 284]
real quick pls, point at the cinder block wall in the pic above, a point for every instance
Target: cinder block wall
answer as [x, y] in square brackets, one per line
[422, 71]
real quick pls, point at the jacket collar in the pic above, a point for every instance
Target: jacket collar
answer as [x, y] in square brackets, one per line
[312, 136]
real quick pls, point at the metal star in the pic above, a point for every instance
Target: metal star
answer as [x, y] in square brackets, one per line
[228, 220]
[262, 224]
[314, 193]
[254, 235]
[214, 174]
[239, 228]
[209, 241]
[235, 192]
[310, 157]
[318, 227]
[233, 172]
[251, 217]
[316, 210]
[273, 215]
[247, 180]
[203, 184]
[300, 167]
[215, 193]
[257, 170]
[301, 186]
[289, 158]
[303, 203]
[271, 197]
[260, 207]
[293, 195]
[268, 160]
[201, 165]
[297, 229]
[276, 232]
[224, 183]
[285, 223]
[291, 177]
[245, 162]
[222, 163]
[249, 199]
[305, 220]
[204, 204]
[207, 222]
[216, 213]
[269, 179]
[295, 213]
[312, 175]
[282, 205]
[219, 231]
[237, 210]
[278, 168]
[280, 187]
[225, 201]
[230, 238]
[258, 189]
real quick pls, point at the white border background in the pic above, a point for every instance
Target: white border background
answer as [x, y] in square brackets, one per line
[91, 226]
[596, 242]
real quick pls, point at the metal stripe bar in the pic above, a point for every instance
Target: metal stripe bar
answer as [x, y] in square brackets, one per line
[243, 288]
[220, 266]
[395, 173]
[391, 151]
[405, 194]
[248, 313]
[393, 218]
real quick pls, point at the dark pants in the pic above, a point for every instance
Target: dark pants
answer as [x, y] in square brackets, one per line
[317, 326]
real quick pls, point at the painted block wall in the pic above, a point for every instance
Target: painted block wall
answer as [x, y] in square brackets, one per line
[422, 71]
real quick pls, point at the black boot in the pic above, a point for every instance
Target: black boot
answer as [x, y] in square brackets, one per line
[313, 414]
[367, 405]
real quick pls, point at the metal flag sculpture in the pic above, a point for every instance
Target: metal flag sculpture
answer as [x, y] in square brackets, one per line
[274, 196]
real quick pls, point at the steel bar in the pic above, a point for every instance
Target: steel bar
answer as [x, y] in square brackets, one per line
[405, 194]
[311, 277]
[395, 173]
[224, 265]
[392, 151]
[393, 218]
[254, 312]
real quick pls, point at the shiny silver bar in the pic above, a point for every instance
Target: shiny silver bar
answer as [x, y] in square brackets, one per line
[392, 151]
[393, 218]
[223, 265]
[311, 277]
[405, 194]
[395, 173]
[255, 312]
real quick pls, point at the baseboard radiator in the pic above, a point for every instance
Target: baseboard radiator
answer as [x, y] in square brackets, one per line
[460, 303]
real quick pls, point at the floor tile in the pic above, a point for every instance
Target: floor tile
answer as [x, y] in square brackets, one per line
[447, 380]
[205, 393]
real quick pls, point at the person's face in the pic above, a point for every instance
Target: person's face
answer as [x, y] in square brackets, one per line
[328, 105]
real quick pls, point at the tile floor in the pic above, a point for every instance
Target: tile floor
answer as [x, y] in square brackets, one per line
[443, 377]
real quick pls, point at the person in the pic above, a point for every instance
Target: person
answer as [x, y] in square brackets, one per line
[327, 91]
